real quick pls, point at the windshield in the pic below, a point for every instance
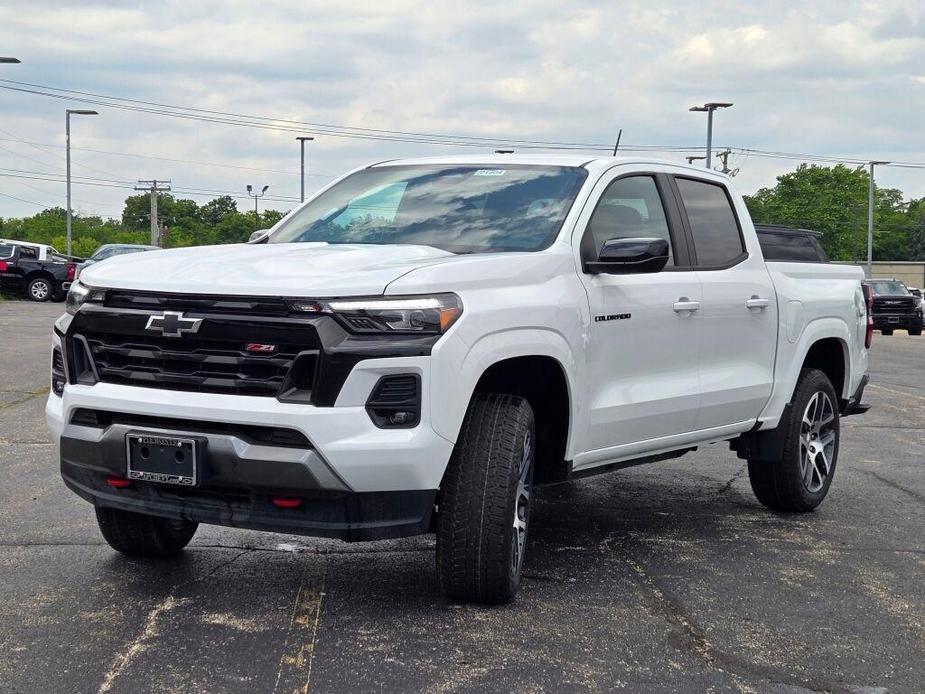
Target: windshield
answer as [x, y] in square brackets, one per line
[461, 209]
[888, 287]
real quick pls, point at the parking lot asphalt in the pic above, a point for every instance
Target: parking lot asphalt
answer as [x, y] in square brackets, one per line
[664, 578]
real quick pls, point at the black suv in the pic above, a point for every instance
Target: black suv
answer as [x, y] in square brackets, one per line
[894, 306]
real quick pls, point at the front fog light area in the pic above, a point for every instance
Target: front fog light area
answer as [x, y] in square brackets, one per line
[395, 402]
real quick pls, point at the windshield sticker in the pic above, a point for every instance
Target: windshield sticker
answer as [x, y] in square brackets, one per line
[490, 172]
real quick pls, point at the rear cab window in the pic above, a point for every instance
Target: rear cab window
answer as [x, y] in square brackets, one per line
[6, 251]
[790, 246]
[714, 226]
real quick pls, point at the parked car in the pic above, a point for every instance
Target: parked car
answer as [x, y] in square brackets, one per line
[895, 307]
[790, 244]
[35, 270]
[917, 293]
[424, 341]
[110, 250]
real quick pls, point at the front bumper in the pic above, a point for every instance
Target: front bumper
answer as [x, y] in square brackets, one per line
[350, 516]
[357, 481]
[898, 322]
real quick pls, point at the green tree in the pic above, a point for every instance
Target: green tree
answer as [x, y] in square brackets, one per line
[833, 200]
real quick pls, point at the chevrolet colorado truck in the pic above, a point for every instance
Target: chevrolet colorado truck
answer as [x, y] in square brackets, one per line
[421, 343]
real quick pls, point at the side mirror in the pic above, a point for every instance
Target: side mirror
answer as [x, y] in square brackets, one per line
[257, 235]
[630, 256]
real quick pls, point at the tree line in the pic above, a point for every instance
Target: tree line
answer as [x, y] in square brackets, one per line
[182, 223]
[828, 199]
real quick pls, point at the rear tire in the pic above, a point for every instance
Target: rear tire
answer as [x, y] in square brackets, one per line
[915, 332]
[39, 289]
[485, 503]
[140, 535]
[886, 332]
[800, 480]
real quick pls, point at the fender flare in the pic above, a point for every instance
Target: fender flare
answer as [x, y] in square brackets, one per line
[787, 376]
[462, 377]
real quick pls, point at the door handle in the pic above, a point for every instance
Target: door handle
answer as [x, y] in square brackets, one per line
[757, 302]
[684, 304]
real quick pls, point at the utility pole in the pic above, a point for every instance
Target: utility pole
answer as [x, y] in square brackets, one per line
[154, 187]
[302, 141]
[256, 196]
[709, 108]
[67, 133]
[724, 157]
[870, 218]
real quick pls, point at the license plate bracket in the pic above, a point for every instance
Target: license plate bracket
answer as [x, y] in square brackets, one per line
[162, 458]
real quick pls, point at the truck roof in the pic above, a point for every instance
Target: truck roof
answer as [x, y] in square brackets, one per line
[545, 159]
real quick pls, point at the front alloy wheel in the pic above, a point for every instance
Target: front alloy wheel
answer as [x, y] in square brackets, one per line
[484, 511]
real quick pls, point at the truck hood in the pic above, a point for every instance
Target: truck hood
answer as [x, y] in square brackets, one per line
[277, 269]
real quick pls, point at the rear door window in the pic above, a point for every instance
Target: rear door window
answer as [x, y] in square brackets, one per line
[713, 223]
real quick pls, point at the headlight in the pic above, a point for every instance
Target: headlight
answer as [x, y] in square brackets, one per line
[80, 294]
[428, 315]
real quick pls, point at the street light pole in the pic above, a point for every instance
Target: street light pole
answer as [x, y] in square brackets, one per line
[67, 132]
[709, 108]
[256, 196]
[302, 141]
[870, 218]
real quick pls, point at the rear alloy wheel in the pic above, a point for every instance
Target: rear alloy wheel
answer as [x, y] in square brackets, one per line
[800, 480]
[486, 498]
[39, 289]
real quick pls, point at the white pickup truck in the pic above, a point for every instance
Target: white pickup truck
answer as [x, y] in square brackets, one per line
[423, 341]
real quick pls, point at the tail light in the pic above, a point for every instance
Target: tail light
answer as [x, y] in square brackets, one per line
[71, 270]
[869, 301]
[3, 266]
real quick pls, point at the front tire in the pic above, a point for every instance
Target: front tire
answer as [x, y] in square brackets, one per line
[800, 480]
[886, 332]
[486, 499]
[140, 535]
[39, 289]
[915, 332]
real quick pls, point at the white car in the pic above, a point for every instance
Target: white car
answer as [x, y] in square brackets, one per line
[421, 343]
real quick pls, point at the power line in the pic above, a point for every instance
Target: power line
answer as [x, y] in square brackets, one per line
[167, 159]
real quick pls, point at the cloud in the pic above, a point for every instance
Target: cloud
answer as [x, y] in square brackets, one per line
[830, 77]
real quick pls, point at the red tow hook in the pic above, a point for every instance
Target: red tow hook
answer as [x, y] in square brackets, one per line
[286, 502]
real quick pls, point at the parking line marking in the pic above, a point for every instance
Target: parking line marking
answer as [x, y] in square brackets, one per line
[138, 645]
[295, 664]
[897, 392]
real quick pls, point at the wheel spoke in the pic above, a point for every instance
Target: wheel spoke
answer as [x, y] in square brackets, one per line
[807, 469]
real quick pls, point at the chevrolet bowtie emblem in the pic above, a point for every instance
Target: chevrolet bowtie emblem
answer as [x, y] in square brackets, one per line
[173, 324]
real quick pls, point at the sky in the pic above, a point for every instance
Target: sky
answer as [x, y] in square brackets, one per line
[835, 78]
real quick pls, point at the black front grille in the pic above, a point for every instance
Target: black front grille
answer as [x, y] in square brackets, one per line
[204, 365]
[893, 304]
[243, 305]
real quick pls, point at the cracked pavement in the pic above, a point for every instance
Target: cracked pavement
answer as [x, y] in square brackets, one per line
[665, 578]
